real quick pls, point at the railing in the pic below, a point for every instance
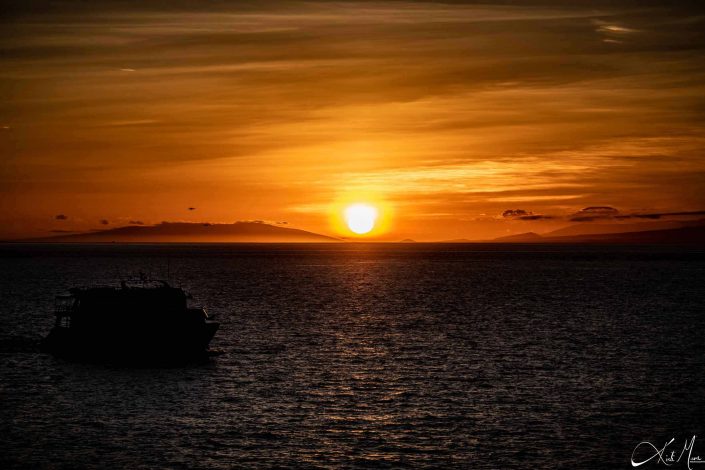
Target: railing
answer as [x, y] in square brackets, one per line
[64, 306]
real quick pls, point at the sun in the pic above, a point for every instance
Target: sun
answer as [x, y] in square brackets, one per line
[361, 218]
[361, 215]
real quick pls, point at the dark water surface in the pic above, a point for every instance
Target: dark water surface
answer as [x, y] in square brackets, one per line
[369, 356]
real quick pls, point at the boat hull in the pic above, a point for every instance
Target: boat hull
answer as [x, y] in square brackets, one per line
[163, 345]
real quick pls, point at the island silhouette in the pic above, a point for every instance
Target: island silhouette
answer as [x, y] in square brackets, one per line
[187, 232]
[261, 232]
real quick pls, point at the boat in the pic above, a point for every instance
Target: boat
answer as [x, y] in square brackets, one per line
[138, 322]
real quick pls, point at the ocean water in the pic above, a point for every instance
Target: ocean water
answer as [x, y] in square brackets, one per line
[364, 355]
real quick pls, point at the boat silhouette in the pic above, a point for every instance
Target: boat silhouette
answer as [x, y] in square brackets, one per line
[138, 322]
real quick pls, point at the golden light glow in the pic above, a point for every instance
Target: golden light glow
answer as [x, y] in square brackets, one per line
[361, 214]
[440, 142]
[361, 218]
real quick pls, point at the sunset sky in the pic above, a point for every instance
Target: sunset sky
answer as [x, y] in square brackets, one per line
[442, 115]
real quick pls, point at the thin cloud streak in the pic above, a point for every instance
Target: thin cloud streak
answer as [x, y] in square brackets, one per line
[440, 108]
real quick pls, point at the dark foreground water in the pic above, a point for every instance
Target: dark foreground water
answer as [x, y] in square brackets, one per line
[370, 356]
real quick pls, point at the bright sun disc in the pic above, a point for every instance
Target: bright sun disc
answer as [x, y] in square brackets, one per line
[360, 218]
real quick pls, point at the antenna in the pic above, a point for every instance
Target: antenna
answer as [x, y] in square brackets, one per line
[119, 273]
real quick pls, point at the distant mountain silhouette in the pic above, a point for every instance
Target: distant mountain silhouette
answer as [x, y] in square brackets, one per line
[683, 235]
[181, 232]
[597, 228]
[676, 236]
[527, 237]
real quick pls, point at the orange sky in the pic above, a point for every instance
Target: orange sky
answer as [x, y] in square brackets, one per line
[446, 114]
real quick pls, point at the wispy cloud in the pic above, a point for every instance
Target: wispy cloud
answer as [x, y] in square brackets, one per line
[443, 108]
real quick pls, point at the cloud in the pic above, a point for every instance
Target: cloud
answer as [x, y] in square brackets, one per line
[658, 215]
[135, 222]
[61, 217]
[591, 213]
[521, 214]
[611, 32]
[515, 213]
[599, 210]
[105, 222]
[537, 217]
[457, 108]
